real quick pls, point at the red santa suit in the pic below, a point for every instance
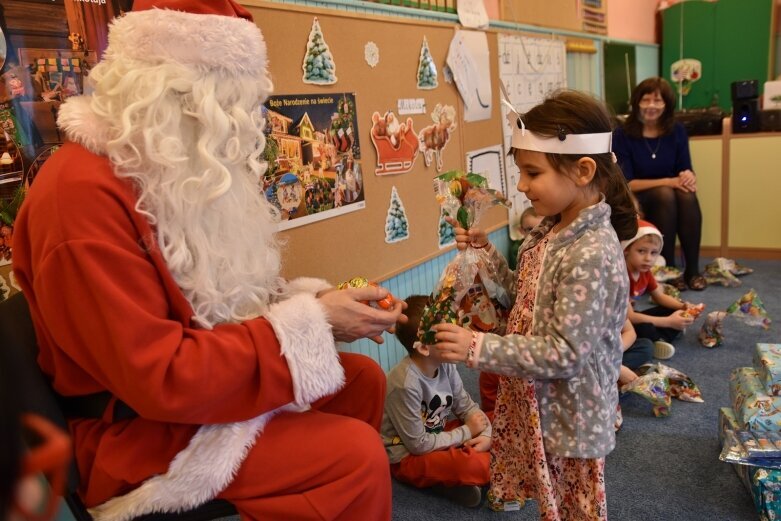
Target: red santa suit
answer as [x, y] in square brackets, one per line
[213, 404]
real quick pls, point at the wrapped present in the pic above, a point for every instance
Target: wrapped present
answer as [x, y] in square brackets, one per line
[711, 333]
[720, 272]
[728, 421]
[654, 387]
[763, 484]
[765, 487]
[679, 385]
[754, 407]
[750, 309]
[767, 362]
[665, 273]
[669, 289]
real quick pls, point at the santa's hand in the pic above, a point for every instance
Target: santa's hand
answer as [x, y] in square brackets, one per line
[351, 319]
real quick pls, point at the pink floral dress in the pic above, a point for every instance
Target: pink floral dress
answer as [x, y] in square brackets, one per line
[570, 489]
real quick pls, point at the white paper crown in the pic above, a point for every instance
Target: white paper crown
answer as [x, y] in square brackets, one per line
[523, 139]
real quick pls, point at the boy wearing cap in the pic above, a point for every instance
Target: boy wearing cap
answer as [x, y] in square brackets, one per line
[664, 322]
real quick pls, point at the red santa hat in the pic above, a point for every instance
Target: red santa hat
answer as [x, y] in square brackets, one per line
[643, 228]
[205, 34]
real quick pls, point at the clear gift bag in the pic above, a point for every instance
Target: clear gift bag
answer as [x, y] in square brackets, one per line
[467, 293]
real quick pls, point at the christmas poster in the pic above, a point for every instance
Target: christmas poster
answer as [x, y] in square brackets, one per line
[312, 151]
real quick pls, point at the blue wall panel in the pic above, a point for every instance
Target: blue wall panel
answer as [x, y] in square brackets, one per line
[418, 280]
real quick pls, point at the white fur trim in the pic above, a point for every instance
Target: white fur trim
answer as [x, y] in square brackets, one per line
[198, 473]
[232, 45]
[80, 124]
[306, 285]
[305, 338]
[210, 461]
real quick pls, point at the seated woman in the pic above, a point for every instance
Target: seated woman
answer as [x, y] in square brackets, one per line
[653, 152]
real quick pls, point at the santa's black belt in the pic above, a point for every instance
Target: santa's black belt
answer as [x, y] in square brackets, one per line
[94, 406]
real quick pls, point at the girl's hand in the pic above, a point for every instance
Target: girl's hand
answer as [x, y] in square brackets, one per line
[678, 320]
[479, 444]
[474, 237]
[452, 342]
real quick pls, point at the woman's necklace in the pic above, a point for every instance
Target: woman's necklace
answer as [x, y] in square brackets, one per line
[654, 150]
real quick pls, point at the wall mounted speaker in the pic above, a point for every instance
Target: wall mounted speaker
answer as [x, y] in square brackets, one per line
[745, 89]
[745, 115]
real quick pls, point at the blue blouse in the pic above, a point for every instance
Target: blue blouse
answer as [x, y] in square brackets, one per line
[636, 155]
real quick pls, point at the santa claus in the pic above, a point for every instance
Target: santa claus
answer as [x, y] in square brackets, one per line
[148, 257]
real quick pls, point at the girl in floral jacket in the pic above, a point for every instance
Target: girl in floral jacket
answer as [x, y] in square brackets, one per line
[561, 356]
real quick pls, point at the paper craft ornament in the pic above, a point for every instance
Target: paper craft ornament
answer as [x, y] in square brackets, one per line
[434, 138]
[446, 233]
[371, 53]
[711, 333]
[684, 73]
[319, 66]
[750, 309]
[396, 224]
[395, 142]
[427, 69]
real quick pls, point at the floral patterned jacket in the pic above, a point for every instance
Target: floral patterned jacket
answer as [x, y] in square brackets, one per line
[574, 348]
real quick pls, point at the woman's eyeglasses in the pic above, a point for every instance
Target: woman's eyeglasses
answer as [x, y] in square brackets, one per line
[652, 103]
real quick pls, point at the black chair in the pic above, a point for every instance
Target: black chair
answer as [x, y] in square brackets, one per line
[17, 335]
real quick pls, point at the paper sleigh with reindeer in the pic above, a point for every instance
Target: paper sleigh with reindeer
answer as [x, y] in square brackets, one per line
[396, 144]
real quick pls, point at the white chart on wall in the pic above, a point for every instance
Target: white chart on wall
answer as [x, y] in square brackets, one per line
[529, 68]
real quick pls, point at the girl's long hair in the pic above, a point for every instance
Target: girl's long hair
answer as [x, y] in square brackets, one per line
[191, 141]
[573, 112]
[633, 125]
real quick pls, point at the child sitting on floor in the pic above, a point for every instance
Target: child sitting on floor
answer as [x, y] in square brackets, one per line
[528, 221]
[664, 322]
[424, 448]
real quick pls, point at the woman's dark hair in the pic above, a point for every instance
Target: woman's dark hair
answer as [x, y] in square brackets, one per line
[407, 333]
[633, 125]
[571, 112]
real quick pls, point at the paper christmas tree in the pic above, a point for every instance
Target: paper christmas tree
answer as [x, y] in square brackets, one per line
[447, 235]
[396, 225]
[427, 70]
[319, 67]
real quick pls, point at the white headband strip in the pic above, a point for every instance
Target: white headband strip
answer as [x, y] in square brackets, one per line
[600, 143]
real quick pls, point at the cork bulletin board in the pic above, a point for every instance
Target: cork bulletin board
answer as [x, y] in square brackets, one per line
[353, 244]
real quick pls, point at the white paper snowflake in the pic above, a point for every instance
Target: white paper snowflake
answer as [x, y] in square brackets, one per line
[372, 54]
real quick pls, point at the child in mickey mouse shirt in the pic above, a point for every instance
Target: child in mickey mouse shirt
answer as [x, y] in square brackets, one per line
[424, 448]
